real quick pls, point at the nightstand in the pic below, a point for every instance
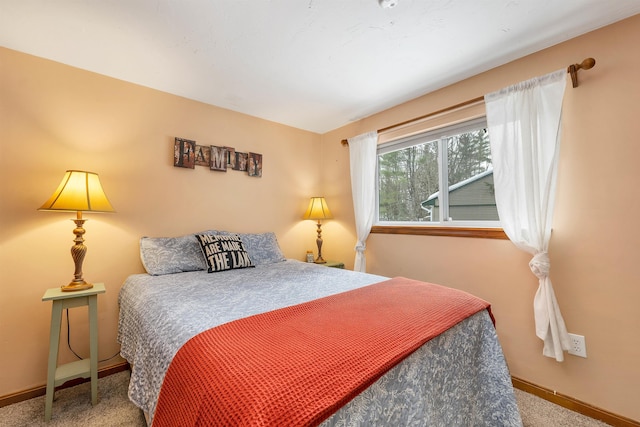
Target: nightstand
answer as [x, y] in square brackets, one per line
[86, 368]
[334, 264]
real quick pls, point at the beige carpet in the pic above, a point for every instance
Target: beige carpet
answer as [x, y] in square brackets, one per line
[72, 408]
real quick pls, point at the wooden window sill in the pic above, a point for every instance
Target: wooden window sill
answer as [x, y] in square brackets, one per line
[482, 233]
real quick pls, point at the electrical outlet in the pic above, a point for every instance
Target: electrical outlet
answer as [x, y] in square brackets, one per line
[578, 346]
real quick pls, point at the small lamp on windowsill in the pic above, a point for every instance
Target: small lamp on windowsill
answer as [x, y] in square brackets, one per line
[318, 210]
[78, 192]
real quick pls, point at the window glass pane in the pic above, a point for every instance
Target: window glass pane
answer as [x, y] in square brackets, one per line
[405, 179]
[412, 169]
[470, 173]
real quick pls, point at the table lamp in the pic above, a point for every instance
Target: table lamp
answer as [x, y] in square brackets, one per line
[318, 210]
[79, 191]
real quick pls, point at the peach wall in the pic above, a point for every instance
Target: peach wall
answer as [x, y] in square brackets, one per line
[53, 118]
[595, 231]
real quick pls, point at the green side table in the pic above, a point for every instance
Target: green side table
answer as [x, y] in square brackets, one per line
[57, 375]
[334, 264]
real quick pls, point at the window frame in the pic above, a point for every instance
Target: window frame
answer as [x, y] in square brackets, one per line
[456, 228]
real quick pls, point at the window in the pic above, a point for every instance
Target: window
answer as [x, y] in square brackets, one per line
[412, 171]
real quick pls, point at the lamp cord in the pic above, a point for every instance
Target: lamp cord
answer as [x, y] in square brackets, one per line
[71, 349]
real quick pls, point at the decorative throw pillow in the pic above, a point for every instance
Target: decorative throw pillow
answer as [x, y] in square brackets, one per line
[224, 252]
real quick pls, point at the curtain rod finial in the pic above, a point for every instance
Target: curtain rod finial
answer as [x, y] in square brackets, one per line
[587, 64]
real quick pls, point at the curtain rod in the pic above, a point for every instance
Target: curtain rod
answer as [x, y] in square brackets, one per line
[572, 69]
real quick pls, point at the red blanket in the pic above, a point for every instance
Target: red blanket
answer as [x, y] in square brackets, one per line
[298, 365]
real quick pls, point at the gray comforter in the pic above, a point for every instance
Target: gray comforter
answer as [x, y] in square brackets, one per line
[459, 378]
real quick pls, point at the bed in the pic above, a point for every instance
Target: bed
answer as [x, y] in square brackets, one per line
[457, 378]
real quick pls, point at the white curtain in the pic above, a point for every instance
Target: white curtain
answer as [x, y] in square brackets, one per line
[524, 131]
[362, 155]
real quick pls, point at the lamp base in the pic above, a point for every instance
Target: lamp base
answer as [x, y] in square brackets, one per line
[76, 286]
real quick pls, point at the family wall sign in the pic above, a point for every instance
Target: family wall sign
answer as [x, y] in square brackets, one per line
[188, 154]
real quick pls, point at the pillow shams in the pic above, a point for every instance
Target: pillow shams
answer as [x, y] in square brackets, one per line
[223, 252]
[262, 248]
[167, 255]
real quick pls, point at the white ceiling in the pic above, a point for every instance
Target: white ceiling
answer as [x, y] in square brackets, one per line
[311, 64]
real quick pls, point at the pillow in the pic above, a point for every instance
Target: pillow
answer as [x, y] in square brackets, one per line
[167, 255]
[224, 252]
[262, 248]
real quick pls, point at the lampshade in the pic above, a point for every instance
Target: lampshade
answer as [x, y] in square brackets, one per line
[79, 191]
[317, 209]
